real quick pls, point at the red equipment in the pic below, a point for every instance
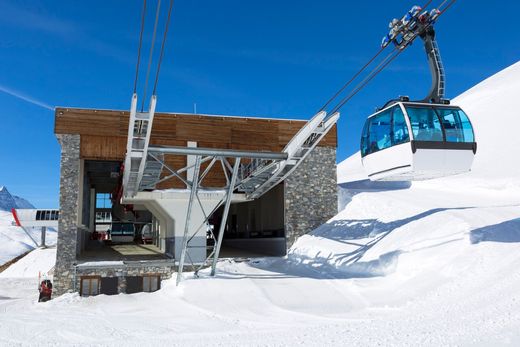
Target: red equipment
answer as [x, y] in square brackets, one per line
[45, 290]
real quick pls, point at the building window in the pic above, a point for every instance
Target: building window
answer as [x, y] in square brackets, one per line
[151, 283]
[89, 285]
[103, 217]
[103, 200]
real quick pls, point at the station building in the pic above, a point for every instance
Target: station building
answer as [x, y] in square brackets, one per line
[144, 247]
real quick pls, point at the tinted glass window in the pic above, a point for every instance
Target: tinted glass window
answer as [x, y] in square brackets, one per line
[379, 132]
[399, 128]
[456, 125]
[425, 124]
[364, 140]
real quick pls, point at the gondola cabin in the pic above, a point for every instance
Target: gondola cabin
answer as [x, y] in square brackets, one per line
[410, 141]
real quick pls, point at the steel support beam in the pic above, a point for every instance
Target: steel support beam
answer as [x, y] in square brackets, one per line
[194, 187]
[222, 228]
[228, 153]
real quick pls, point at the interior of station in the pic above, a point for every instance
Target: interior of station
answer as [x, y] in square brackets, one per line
[114, 232]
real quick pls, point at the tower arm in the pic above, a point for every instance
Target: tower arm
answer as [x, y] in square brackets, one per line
[437, 89]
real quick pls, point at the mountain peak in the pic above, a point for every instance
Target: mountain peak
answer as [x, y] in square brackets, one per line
[8, 201]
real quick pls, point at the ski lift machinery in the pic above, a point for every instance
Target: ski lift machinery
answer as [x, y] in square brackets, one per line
[418, 140]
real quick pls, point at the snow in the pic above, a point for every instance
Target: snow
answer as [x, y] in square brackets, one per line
[14, 241]
[432, 263]
[40, 260]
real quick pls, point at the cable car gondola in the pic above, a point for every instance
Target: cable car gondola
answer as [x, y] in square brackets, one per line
[417, 141]
[406, 140]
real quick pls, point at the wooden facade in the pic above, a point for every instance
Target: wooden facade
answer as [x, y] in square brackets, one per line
[104, 134]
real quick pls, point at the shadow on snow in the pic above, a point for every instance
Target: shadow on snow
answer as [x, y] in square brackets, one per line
[346, 265]
[508, 231]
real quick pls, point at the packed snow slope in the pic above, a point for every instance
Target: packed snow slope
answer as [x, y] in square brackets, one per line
[429, 264]
[14, 241]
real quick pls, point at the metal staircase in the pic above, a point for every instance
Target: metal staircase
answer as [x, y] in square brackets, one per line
[136, 160]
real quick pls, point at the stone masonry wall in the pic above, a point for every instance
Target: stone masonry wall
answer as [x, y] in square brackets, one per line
[311, 193]
[68, 222]
[165, 271]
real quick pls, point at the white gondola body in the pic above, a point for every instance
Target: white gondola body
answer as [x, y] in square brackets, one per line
[410, 161]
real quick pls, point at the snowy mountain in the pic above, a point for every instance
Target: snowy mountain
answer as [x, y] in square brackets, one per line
[8, 201]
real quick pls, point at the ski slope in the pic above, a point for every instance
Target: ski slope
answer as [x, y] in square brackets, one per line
[14, 241]
[431, 263]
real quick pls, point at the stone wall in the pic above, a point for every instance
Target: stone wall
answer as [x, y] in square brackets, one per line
[68, 222]
[164, 269]
[311, 193]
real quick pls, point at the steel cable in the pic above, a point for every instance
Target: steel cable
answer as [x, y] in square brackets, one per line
[151, 53]
[382, 65]
[162, 47]
[140, 45]
[356, 75]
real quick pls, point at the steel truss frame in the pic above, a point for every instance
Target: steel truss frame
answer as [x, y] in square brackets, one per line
[233, 175]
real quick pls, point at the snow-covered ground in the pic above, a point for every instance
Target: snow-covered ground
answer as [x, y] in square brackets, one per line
[434, 263]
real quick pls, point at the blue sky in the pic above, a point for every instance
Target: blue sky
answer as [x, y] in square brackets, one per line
[256, 58]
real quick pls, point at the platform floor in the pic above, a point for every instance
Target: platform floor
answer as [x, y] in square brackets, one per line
[97, 251]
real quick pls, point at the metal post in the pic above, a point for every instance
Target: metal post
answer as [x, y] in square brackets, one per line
[29, 234]
[194, 187]
[224, 216]
[44, 231]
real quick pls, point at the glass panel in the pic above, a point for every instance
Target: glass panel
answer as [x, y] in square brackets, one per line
[85, 287]
[399, 127]
[425, 124]
[103, 200]
[379, 132]
[94, 285]
[456, 125]
[364, 140]
[146, 284]
[153, 285]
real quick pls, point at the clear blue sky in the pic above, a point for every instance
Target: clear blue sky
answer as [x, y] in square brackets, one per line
[257, 58]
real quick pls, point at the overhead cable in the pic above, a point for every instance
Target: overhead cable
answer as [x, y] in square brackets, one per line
[162, 47]
[140, 44]
[157, 12]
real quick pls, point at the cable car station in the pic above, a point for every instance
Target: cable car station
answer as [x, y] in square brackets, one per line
[145, 194]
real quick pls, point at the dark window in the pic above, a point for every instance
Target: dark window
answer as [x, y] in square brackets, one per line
[109, 285]
[38, 215]
[89, 285]
[53, 215]
[134, 284]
